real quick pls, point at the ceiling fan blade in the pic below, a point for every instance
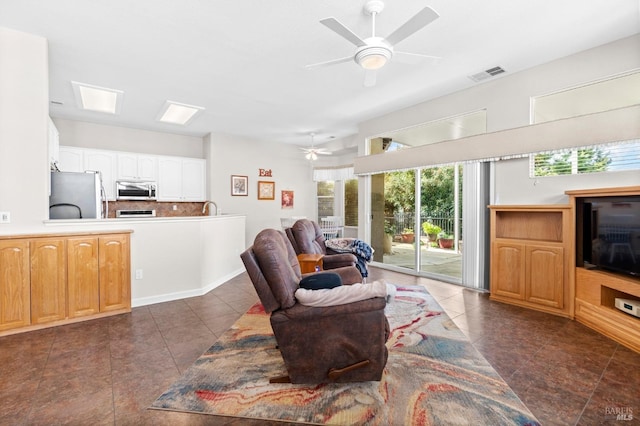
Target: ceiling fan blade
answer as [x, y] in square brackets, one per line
[336, 26]
[331, 62]
[323, 153]
[419, 21]
[413, 58]
[369, 78]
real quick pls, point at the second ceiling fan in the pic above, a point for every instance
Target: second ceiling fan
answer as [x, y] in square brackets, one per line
[374, 52]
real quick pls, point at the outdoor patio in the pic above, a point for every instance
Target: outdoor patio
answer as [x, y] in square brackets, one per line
[433, 260]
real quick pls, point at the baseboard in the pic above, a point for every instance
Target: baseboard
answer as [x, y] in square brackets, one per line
[168, 297]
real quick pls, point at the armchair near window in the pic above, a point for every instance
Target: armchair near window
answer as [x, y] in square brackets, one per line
[344, 343]
[306, 237]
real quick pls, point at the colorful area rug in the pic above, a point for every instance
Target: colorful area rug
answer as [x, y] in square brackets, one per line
[434, 376]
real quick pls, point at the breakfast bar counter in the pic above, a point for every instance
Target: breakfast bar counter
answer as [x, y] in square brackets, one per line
[173, 257]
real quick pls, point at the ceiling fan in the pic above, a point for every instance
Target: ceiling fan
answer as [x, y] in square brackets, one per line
[374, 52]
[313, 152]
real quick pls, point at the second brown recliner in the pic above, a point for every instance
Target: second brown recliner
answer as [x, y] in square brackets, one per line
[306, 237]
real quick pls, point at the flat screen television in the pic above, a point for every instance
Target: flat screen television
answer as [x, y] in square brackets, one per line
[611, 233]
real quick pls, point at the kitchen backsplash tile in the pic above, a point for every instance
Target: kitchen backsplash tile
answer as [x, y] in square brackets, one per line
[162, 209]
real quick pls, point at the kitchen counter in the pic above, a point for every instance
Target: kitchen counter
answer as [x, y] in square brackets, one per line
[173, 257]
[126, 220]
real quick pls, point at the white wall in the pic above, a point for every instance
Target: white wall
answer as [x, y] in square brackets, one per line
[507, 102]
[100, 136]
[232, 155]
[24, 106]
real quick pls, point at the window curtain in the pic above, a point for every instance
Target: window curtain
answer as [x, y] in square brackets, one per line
[333, 173]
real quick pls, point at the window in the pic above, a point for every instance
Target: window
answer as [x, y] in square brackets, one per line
[603, 95]
[598, 158]
[326, 195]
[351, 202]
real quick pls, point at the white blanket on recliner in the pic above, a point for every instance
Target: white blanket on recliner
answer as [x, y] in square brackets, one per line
[344, 294]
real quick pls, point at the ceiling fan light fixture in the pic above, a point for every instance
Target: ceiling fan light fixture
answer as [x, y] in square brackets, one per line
[373, 58]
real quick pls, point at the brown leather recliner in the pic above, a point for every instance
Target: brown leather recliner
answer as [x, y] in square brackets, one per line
[344, 343]
[306, 237]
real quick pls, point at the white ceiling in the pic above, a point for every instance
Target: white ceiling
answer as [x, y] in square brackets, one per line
[244, 60]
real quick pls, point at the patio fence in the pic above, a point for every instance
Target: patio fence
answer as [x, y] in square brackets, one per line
[401, 221]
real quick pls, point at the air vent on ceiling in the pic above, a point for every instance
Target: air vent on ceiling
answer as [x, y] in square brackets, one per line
[491, 72]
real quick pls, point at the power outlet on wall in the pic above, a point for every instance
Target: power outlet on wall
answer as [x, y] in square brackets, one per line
[139, 274]
[5, 217]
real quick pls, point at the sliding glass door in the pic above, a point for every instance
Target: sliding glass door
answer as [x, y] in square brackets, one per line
[418, 230]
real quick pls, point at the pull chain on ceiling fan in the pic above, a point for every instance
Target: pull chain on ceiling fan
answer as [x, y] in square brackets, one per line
[374, 52]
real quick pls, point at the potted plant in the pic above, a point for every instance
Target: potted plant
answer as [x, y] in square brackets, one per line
[431, 230]
[407, 235]
[445, 241]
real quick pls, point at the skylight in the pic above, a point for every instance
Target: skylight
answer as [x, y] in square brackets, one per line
[177, 113]
[95, 98]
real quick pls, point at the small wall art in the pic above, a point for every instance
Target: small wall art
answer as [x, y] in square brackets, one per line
[239, 185]
[286, 198]
[266, 190]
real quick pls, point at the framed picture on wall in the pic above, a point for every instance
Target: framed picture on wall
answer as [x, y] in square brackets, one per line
[266, 190]
[239, 185]
[286, 199]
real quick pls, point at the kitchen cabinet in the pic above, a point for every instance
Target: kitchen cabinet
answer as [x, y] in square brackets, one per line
[137, 166]
[115, 273]
[53, 140]
[105, 163]
[71, 159]
[181, 179]
[529, 257]
[48, 259]
[83, 279]
[56, 279]
[81, 159]
[15, 290]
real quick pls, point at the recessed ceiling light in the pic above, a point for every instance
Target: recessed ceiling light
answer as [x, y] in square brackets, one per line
[177, 113]
[94, 98]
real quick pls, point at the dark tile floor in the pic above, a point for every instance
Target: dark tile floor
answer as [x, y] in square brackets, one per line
[108, 371]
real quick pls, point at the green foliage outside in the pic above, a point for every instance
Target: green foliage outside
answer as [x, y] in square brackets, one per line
[437, 194]
[588, 161]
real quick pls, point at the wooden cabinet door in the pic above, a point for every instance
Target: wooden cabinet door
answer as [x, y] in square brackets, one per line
[15, 300]
[48, 280]
[115, 272]
[508, 270]
[82, 276]
[545, 275]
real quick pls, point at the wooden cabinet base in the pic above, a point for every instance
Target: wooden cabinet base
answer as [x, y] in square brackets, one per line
[48, 280]
[35, 327]
[596, 292]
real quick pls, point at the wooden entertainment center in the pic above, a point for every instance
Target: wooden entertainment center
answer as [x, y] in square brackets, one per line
[537, 261]
[596, 290]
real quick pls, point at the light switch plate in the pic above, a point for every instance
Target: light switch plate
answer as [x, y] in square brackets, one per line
[5, 217]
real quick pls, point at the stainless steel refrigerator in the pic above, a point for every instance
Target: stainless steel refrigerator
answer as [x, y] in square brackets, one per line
[75, 195]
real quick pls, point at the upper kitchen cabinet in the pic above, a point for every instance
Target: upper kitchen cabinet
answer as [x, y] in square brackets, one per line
[138, 167]
[105, 163]
[54, 143]
[181, 179]
[82, 159]
[71, 159]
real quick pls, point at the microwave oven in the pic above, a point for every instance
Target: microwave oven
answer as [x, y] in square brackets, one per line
[136, 190]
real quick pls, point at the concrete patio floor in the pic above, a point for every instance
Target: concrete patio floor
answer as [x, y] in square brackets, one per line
[433, 260]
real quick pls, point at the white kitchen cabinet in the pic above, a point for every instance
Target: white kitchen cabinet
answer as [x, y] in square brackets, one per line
[71, 159]
[82, 159]
[105, 163]
[138, 167]
[181, 179]
[54, 143]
